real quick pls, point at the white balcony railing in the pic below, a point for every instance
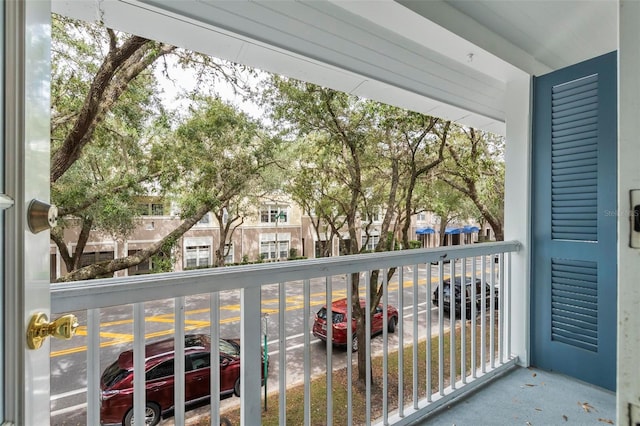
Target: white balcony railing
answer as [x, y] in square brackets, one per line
[439, 354]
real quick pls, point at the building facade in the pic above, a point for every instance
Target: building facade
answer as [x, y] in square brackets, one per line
[278, 231]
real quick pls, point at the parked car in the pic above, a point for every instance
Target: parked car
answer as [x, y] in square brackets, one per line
[339, 329]
[446, 295]
[116, 383]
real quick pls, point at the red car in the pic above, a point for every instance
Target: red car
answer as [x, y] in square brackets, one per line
[116, 384]
[339, 313]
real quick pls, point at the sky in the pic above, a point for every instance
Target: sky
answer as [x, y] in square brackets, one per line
[184, 81]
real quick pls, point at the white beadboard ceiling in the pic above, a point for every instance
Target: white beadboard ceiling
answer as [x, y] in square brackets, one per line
[451, 59]
[552, 33]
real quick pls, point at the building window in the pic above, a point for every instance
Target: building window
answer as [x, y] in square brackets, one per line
[268, 249]
[371, 217]
[197, 256]
[94, 257]
[53, 270]
[370, 243]
[345, 246]
[322, 249]
[151, 209]
[205, 220]
[144, 267]
[228, 250]
[157, 209]
[421, 217]
[273, 214]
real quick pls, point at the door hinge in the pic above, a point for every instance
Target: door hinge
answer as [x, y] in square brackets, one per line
[5, 202]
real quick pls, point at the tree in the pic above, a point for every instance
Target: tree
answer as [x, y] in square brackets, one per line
[415, 144]
[335, 128]
[106, 118]
[351, 163]
[449, 204]
[88, 83]
[475, 167]
[222, 157]
[217, 155]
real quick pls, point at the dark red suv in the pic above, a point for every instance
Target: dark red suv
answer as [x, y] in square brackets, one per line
[116, 384]
[339, 320]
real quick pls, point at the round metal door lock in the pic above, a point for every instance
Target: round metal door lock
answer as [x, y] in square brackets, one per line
[41, 216]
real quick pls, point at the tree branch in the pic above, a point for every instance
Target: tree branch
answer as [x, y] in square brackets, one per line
[127, 61]
[109, 266]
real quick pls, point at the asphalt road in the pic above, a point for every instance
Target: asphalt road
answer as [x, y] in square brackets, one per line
[68, 358]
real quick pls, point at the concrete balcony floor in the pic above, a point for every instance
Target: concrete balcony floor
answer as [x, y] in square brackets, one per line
[526, 396]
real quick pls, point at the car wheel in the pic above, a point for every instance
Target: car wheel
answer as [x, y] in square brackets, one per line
[236, 387]
[151, 415]
[225, 421]
[391, 327]
[354, 344]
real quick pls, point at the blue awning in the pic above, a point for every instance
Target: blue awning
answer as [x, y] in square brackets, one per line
[424, 231]
[450, 231]
[468, 229]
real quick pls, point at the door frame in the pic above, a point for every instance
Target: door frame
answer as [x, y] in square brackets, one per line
[26, 90]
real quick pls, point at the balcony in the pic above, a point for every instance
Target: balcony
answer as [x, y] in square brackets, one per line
[276, 304]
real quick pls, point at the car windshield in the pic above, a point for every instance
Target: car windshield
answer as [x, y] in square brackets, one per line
[229, 348]
[113, 374]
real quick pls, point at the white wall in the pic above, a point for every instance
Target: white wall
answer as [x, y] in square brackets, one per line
[517, 208]
[628, 387]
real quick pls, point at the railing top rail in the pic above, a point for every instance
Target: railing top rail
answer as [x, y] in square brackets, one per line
[106, 292]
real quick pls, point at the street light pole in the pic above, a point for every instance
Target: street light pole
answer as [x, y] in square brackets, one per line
[277, 251]
[279, 216]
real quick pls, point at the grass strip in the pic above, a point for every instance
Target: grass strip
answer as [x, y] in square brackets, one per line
[295, 394]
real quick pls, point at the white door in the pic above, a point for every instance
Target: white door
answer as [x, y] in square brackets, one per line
[25, 176]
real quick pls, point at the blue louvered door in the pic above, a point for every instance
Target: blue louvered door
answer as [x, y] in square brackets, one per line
[573, 286]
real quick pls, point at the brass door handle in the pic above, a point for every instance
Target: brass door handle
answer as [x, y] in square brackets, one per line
[40, 328]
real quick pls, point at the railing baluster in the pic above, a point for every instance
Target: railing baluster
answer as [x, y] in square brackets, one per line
[508, 304]
[385, 347]
[415, 338]
[139, 394]
[463, 319]
[427, 267]
[93, 366]
[452, 324]
[501, 316]
[441, 327]
[349, 349]
[282, 353]
[307, 357]
[250, 355]
[474, 314]
[214, 364]
[179, 364]
[329, 345]
[367, 345]
[492, 315]
[483, 315]
[401, 342]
